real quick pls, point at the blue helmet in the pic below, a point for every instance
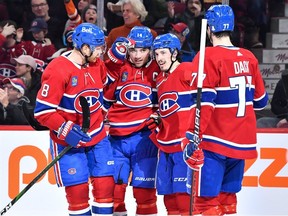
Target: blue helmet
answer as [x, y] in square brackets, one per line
[89, 34]
[142, 36]
[220, 18]
[168, 40]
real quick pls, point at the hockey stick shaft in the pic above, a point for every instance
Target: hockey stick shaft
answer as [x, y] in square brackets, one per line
[85, 127]
[3, 211]
[198, 101]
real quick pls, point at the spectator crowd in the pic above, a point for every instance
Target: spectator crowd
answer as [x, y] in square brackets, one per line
[34, 32]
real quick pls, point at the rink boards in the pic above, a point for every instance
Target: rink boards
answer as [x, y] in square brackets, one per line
[24, 153]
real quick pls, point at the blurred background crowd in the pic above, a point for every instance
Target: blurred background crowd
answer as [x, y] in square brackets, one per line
[34, 32]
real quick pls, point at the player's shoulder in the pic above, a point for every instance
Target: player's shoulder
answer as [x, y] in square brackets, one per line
[57, 66]
[185, 65]
[247, 52]
[56, 63]
[228, 51]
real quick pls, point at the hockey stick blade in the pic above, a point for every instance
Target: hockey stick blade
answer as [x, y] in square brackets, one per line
[31, 120]
[85, 127]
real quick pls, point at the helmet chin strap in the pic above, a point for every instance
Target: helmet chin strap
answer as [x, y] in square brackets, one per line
[85, 57]
[167, 71]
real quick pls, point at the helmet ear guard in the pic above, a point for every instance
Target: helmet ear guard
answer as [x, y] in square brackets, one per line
[220, 18]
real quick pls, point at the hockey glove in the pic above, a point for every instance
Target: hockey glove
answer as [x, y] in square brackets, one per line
[153, 121]
[72, 134]
[192, 154]
[117, 53]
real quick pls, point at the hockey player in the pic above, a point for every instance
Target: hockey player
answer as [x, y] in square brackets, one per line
[175, 105]
[133, 98]
[232, 89]
[76, 73]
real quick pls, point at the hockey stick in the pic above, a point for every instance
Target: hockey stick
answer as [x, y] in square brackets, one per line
[198, 101]
[85, 127]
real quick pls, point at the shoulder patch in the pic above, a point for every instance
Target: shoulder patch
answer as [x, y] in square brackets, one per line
[124, 76]
[74, 81]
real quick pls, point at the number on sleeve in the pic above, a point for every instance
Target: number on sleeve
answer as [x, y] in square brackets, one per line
[193, 75]
[45, 90]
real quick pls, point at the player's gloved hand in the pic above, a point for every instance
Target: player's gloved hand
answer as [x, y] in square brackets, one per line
[72, 134]
[192, 154]
[153, 121]
[117, 53]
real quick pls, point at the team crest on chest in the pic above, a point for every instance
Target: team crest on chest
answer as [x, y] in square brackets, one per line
[168, 103]
[135, 95]
[93, 97]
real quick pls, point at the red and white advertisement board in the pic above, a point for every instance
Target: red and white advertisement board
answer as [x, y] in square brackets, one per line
[24, 153]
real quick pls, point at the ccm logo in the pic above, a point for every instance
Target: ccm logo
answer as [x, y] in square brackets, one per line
[110, 162]
[180, 179]
[269, 177]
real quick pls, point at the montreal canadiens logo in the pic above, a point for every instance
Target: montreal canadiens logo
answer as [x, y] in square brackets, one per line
[72, 171]
[168, 104]
[93, 98]
[7, 70]
[135, 95]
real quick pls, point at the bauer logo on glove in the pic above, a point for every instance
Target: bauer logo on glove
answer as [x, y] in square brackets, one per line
[72, 134]
[192, 154]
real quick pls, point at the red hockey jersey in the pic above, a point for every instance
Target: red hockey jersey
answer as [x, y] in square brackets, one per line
[7, 69]
[38, 50]
[175, 104]
[232, 89]
[132, 96]
[63, 82]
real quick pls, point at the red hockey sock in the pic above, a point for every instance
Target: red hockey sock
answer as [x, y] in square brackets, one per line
[119, 197]
[146, 200]
[77, 197]
[171, 204]
[228, 202]
[183, 203]
[103, 188]
[207, 205]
